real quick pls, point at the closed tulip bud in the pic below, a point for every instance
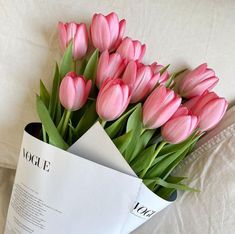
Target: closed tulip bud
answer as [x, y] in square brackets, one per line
[109, 65]
[159, 107]
[77, 33]
[179, 128]
[210, 109]
[140, 79]
[156, 68]
[74, 91]
[196, 82]
[112, 100]
[131, 50]
[107, 31]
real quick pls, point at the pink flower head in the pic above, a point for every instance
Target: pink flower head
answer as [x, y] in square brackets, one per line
[74, 91]
[209, 108]
[196, 82]
[131, 50]
[180, 127]
[107, 31]
[78, 34]
[109, 65]
[156, 68]
[140, 79]
[159, 107]
[113, 99]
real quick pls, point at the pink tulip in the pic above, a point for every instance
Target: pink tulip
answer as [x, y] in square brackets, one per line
[74, 91]
[156, 68]
[210, 109]
[131, 50]
[78, 34]
[196, 82]
[112, 100]
[159, 107]
[106, 31]
[109, 65]
[179, 128]
[181, 111]
[140, 79]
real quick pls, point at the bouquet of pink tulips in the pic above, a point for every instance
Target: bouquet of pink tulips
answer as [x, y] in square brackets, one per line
[153, 118]
[153, 124]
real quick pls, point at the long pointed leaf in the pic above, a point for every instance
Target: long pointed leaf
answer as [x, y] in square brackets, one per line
[123, 141]
[55, 93]
[114, 128]
[88, 119]
[67, 61]
[44, 94]
[54, 136]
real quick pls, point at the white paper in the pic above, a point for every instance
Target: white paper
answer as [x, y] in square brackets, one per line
[63, 193]
[96, 146]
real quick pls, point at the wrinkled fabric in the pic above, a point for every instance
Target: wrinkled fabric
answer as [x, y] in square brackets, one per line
[183, 34]
[211, 169]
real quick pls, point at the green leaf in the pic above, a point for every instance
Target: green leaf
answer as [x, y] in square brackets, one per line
[164, 69]
[54, 136]
[67, 61]
[142, 160]
[173, 76]
[44, 95]
[134, 124]
[152, 158]
[160, 168]
[165, 184]
[55, 93]
[59, 111]
[143, 141]
[88, 119]
[123, 141]
[166, 193]
[171, 148]
[90, 69]
[114, 128]
[82, 66]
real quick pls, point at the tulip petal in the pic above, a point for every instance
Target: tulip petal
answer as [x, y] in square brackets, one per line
[62, 36]
[212, 113]
[80, 43]
[100, 33]
[113, 22]
[67, 93]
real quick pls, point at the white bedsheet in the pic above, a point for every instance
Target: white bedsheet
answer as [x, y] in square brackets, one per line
[183, 33]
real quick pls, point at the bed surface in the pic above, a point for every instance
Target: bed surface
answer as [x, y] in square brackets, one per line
[183, 33]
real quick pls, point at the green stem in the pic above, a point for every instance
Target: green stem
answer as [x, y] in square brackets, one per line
[65, 122]
[142, 131]
[44, 134]
[152, 159]
[102, 122]
[75, 66]
[59, 127]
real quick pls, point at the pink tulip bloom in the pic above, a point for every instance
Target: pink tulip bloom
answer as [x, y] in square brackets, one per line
[107, 31]
[159, 107]
[156, 68]
[210, 109]
[196, 82]
[112, 100]
[76, 33]
[179, 128]
[181, 111]
[140, 79]
[74, 91]
[109, 65]
[131, 50]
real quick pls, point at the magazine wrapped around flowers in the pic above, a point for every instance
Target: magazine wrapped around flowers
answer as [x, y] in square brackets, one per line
[112, 131]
